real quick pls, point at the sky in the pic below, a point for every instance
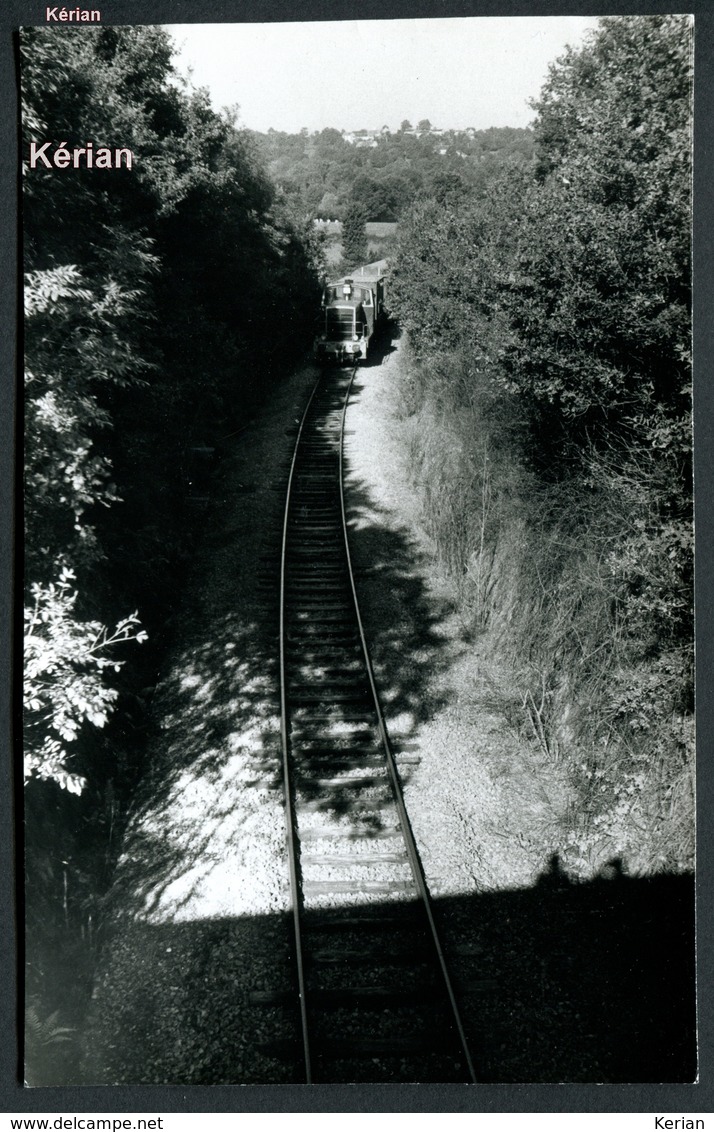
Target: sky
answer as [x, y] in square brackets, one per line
[359, 74]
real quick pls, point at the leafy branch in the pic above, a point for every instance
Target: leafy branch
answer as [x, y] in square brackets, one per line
[65, 660]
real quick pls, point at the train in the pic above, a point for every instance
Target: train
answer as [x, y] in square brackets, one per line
[352, 308]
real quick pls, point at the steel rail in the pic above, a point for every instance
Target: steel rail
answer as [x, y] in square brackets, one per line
[285, 743]
[393, 776]
[407, 833]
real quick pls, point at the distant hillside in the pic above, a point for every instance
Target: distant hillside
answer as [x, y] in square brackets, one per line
[321, 173]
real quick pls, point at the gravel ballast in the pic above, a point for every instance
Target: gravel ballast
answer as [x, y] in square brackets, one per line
[198, 922]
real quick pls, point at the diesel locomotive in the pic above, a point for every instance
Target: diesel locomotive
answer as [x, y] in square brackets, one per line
[351, 310]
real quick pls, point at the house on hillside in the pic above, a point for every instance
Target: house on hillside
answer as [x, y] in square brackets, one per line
[362, 139]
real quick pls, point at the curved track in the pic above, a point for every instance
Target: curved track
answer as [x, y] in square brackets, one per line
[376, 1001]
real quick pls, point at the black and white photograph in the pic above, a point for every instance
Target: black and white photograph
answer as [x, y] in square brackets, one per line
[358, 658]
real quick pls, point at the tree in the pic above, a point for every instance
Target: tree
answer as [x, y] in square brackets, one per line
[354, 234]
[552, 315]
[448, 186]
[613, 138]
[424, 126]
[329, 206]
[601, 298]
[161, 303]
[134, 328]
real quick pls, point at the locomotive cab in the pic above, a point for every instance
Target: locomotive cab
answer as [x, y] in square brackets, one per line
[348, 322]
[351, 309]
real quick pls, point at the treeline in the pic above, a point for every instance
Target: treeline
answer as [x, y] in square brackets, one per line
[549, 321]
[323, 174]
[160, 303]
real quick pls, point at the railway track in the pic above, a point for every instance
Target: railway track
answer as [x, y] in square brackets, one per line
[375, 998]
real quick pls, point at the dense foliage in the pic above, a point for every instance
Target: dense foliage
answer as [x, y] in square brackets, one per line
[160, 303]
[326, 173]
[550, 315]
[150, 312]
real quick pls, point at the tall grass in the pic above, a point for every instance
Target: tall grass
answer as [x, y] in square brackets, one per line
[577, 584]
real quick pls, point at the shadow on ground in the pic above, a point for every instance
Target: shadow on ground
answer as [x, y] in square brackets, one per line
[382, 343]
[217, 711]
[557, 983]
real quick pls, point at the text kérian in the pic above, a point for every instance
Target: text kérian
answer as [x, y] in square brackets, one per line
[82, 157]
[73, 16]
